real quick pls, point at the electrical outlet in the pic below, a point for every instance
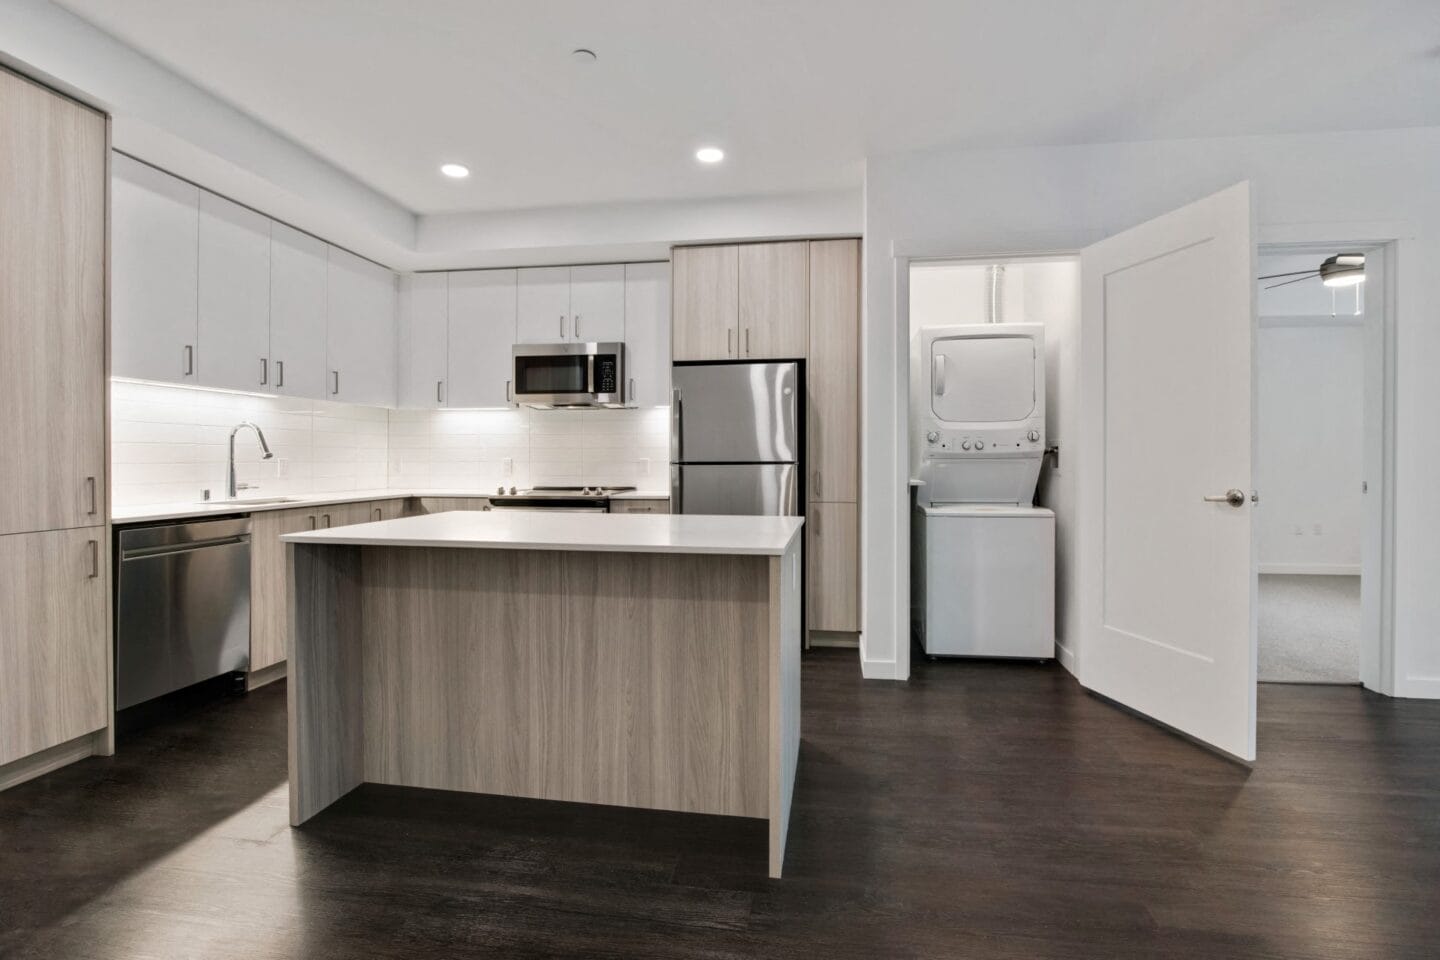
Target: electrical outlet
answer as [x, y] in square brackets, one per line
[282, 468]
[644, 466]
[507, 466]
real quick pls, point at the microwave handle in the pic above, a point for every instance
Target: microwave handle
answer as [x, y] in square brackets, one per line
[590, 373]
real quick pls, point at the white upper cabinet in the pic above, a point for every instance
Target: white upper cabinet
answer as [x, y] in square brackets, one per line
[360, 330]
[423, 340]
[297, 312]
[234, 295]
[155, 224]
[544, 305]
[647, 334]
[597, 303]
[482, 333]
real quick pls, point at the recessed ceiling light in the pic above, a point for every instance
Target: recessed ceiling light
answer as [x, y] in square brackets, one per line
[709, 154]
[456, 171]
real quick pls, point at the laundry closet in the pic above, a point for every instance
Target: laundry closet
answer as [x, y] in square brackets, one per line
[991, 506]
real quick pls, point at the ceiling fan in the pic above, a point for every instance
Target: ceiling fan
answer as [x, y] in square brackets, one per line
[1340, 270]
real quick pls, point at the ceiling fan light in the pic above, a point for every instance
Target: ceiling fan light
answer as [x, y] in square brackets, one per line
[1343, 270]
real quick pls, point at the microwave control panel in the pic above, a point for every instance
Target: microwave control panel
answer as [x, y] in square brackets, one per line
[607, 374]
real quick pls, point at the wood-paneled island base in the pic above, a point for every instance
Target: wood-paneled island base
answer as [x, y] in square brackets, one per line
[630, 659]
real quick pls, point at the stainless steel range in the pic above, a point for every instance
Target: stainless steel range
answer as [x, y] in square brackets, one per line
[562, 499]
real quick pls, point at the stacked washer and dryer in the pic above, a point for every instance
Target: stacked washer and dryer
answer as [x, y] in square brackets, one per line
[982, 554]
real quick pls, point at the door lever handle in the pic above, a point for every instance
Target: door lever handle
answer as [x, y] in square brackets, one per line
[1234, 497]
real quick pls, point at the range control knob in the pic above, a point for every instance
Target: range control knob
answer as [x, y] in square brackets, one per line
[979, 444]
[1033, 436]
[932, 436]
[965, 445]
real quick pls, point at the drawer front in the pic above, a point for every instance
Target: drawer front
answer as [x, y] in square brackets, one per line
[640, 506]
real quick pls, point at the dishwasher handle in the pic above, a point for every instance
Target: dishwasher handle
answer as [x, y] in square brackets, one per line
[170, 549]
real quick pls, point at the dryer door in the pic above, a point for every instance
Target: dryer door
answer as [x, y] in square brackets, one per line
[982, 379]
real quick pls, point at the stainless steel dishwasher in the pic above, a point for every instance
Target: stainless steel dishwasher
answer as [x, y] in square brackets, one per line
[182, 610]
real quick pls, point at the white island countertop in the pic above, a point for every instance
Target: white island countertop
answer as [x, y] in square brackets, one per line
[585, 532]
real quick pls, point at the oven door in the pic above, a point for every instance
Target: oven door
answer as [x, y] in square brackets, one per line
[569, 374]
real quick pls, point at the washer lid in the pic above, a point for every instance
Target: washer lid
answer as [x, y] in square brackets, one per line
[986, 510]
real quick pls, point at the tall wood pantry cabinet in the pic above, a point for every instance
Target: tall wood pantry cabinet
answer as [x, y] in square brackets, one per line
[793, 300]
[54, 578]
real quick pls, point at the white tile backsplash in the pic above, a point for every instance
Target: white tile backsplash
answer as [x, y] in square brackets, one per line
[169, 443]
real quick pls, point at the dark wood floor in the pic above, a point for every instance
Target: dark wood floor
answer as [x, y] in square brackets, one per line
[981, 811]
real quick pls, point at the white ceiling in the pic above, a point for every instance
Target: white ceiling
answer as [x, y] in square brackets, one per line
[798, 92]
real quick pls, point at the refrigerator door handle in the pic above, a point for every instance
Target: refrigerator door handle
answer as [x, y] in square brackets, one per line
[677, 424]
[677, 500]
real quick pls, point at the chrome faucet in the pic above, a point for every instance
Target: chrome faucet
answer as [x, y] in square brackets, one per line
[232, 488]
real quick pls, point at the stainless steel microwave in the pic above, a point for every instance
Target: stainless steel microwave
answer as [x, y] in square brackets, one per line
[569, 374]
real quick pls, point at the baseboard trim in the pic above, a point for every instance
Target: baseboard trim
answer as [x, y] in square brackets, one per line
[879, 669]
[1311, 569]
[1066, 656]
[830, 638]
[52, 758]
[1420, 688]
[258, 678]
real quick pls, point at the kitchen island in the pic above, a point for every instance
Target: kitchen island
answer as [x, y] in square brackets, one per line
[630, 659]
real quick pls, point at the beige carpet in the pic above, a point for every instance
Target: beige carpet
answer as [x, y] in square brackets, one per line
[1309, 629]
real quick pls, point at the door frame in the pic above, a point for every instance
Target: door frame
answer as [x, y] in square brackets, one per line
[1377, 655]
[1390, 237]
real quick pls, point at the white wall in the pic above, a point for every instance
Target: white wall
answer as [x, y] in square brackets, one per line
[169, 443]
[1311, 397]
[468, 449]
[1373, 185]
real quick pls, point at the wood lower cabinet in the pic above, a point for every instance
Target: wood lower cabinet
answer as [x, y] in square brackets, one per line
[54, 663]
[658, 505]
[423, 505]
[833, 567]
[269, 588]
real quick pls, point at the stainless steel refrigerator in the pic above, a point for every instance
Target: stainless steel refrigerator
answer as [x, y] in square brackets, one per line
[735, 439]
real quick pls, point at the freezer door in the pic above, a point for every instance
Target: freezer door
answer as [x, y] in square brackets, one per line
[736, 413]
[749, 490]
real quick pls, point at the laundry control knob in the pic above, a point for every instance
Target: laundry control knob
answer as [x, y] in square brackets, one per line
[932, 436]
[965, 445]
[1033, 436]
[979, 444]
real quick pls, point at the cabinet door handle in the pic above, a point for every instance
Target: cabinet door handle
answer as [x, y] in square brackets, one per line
[815, 521]
[507, 390]
[377, 513]
[189, 360]
[562, 326]
[279, 373]
[747, 341]
[335, 387]
[264, 371]
[313, 524]
[729, 342]
[817, 483]
[630, 397]
[575, 326]
[438, 397]
[326, 518]
[94, 559]
[90, 487]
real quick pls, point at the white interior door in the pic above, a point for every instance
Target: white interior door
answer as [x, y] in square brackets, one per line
[1373, 672]
[1167, 589]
